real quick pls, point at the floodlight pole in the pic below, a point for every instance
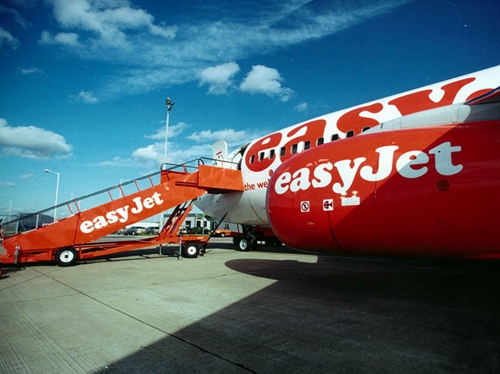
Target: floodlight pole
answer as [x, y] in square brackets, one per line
[57, 191]
[169, 104]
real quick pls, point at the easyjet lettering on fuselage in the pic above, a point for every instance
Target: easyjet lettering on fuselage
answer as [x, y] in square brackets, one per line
[276, 148]
[261, 157]
[411, 164]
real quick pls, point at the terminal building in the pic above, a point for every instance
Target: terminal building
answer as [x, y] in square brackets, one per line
[194, 222]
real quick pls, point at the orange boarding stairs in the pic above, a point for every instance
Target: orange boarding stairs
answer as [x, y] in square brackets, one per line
[70, 239]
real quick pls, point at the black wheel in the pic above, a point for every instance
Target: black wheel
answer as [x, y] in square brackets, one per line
[243, 245]
[66, 256]
[190, 251]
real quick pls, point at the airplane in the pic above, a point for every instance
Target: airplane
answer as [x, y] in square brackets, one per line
[411, 174]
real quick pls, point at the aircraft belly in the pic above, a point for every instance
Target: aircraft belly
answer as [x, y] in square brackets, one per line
[257, 202]
[237, 207]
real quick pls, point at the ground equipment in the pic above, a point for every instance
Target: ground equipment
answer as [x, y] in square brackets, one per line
[74, 238]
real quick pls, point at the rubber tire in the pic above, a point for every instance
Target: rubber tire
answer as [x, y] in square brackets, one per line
[66, 256]
[190, 251]
[243, 244]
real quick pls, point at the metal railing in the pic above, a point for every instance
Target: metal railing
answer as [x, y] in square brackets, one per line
[34, 220]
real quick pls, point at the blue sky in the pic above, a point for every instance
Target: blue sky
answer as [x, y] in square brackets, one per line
[83, 83]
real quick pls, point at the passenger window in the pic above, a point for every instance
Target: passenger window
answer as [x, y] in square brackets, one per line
[294, 148]
[335, 137]
[320, 141]
[282, 151]
[366, 128]
[307, 145]
[349, 134]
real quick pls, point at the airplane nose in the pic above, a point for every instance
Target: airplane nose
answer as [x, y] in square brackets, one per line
[298, 217]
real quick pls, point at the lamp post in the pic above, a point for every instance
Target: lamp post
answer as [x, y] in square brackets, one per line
[57, 190]
[169, 104]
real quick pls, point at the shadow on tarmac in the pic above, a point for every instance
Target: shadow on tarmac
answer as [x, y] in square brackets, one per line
[343, 315]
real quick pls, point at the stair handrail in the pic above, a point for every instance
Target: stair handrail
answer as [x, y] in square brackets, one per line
[165, 167]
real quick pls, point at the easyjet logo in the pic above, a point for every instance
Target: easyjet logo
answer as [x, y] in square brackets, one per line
[410, 165]
[121, 214]
[352, 120]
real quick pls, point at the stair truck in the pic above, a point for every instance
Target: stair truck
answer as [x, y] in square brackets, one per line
[73, 238]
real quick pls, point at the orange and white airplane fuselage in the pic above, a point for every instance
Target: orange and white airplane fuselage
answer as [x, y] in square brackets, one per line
[400, 187]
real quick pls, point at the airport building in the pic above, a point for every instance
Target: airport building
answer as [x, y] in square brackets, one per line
[194, 221]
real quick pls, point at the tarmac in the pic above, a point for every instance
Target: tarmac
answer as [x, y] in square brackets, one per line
[274, 310]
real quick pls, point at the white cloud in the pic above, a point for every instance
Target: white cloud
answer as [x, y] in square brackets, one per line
[17, 16]
[149, 55]
[117, 162]
[7, 184]
[26, 176]
[301, 107]
[218, 77]
[153, 152]
[229, 135]
[265, 80]
[63, 38]
[85, 97]
[173, 131]
[31, 71]
[7, 38]
[177, 153]
[31, 142]
[152, 155]
[108, 19]
[182, 152]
